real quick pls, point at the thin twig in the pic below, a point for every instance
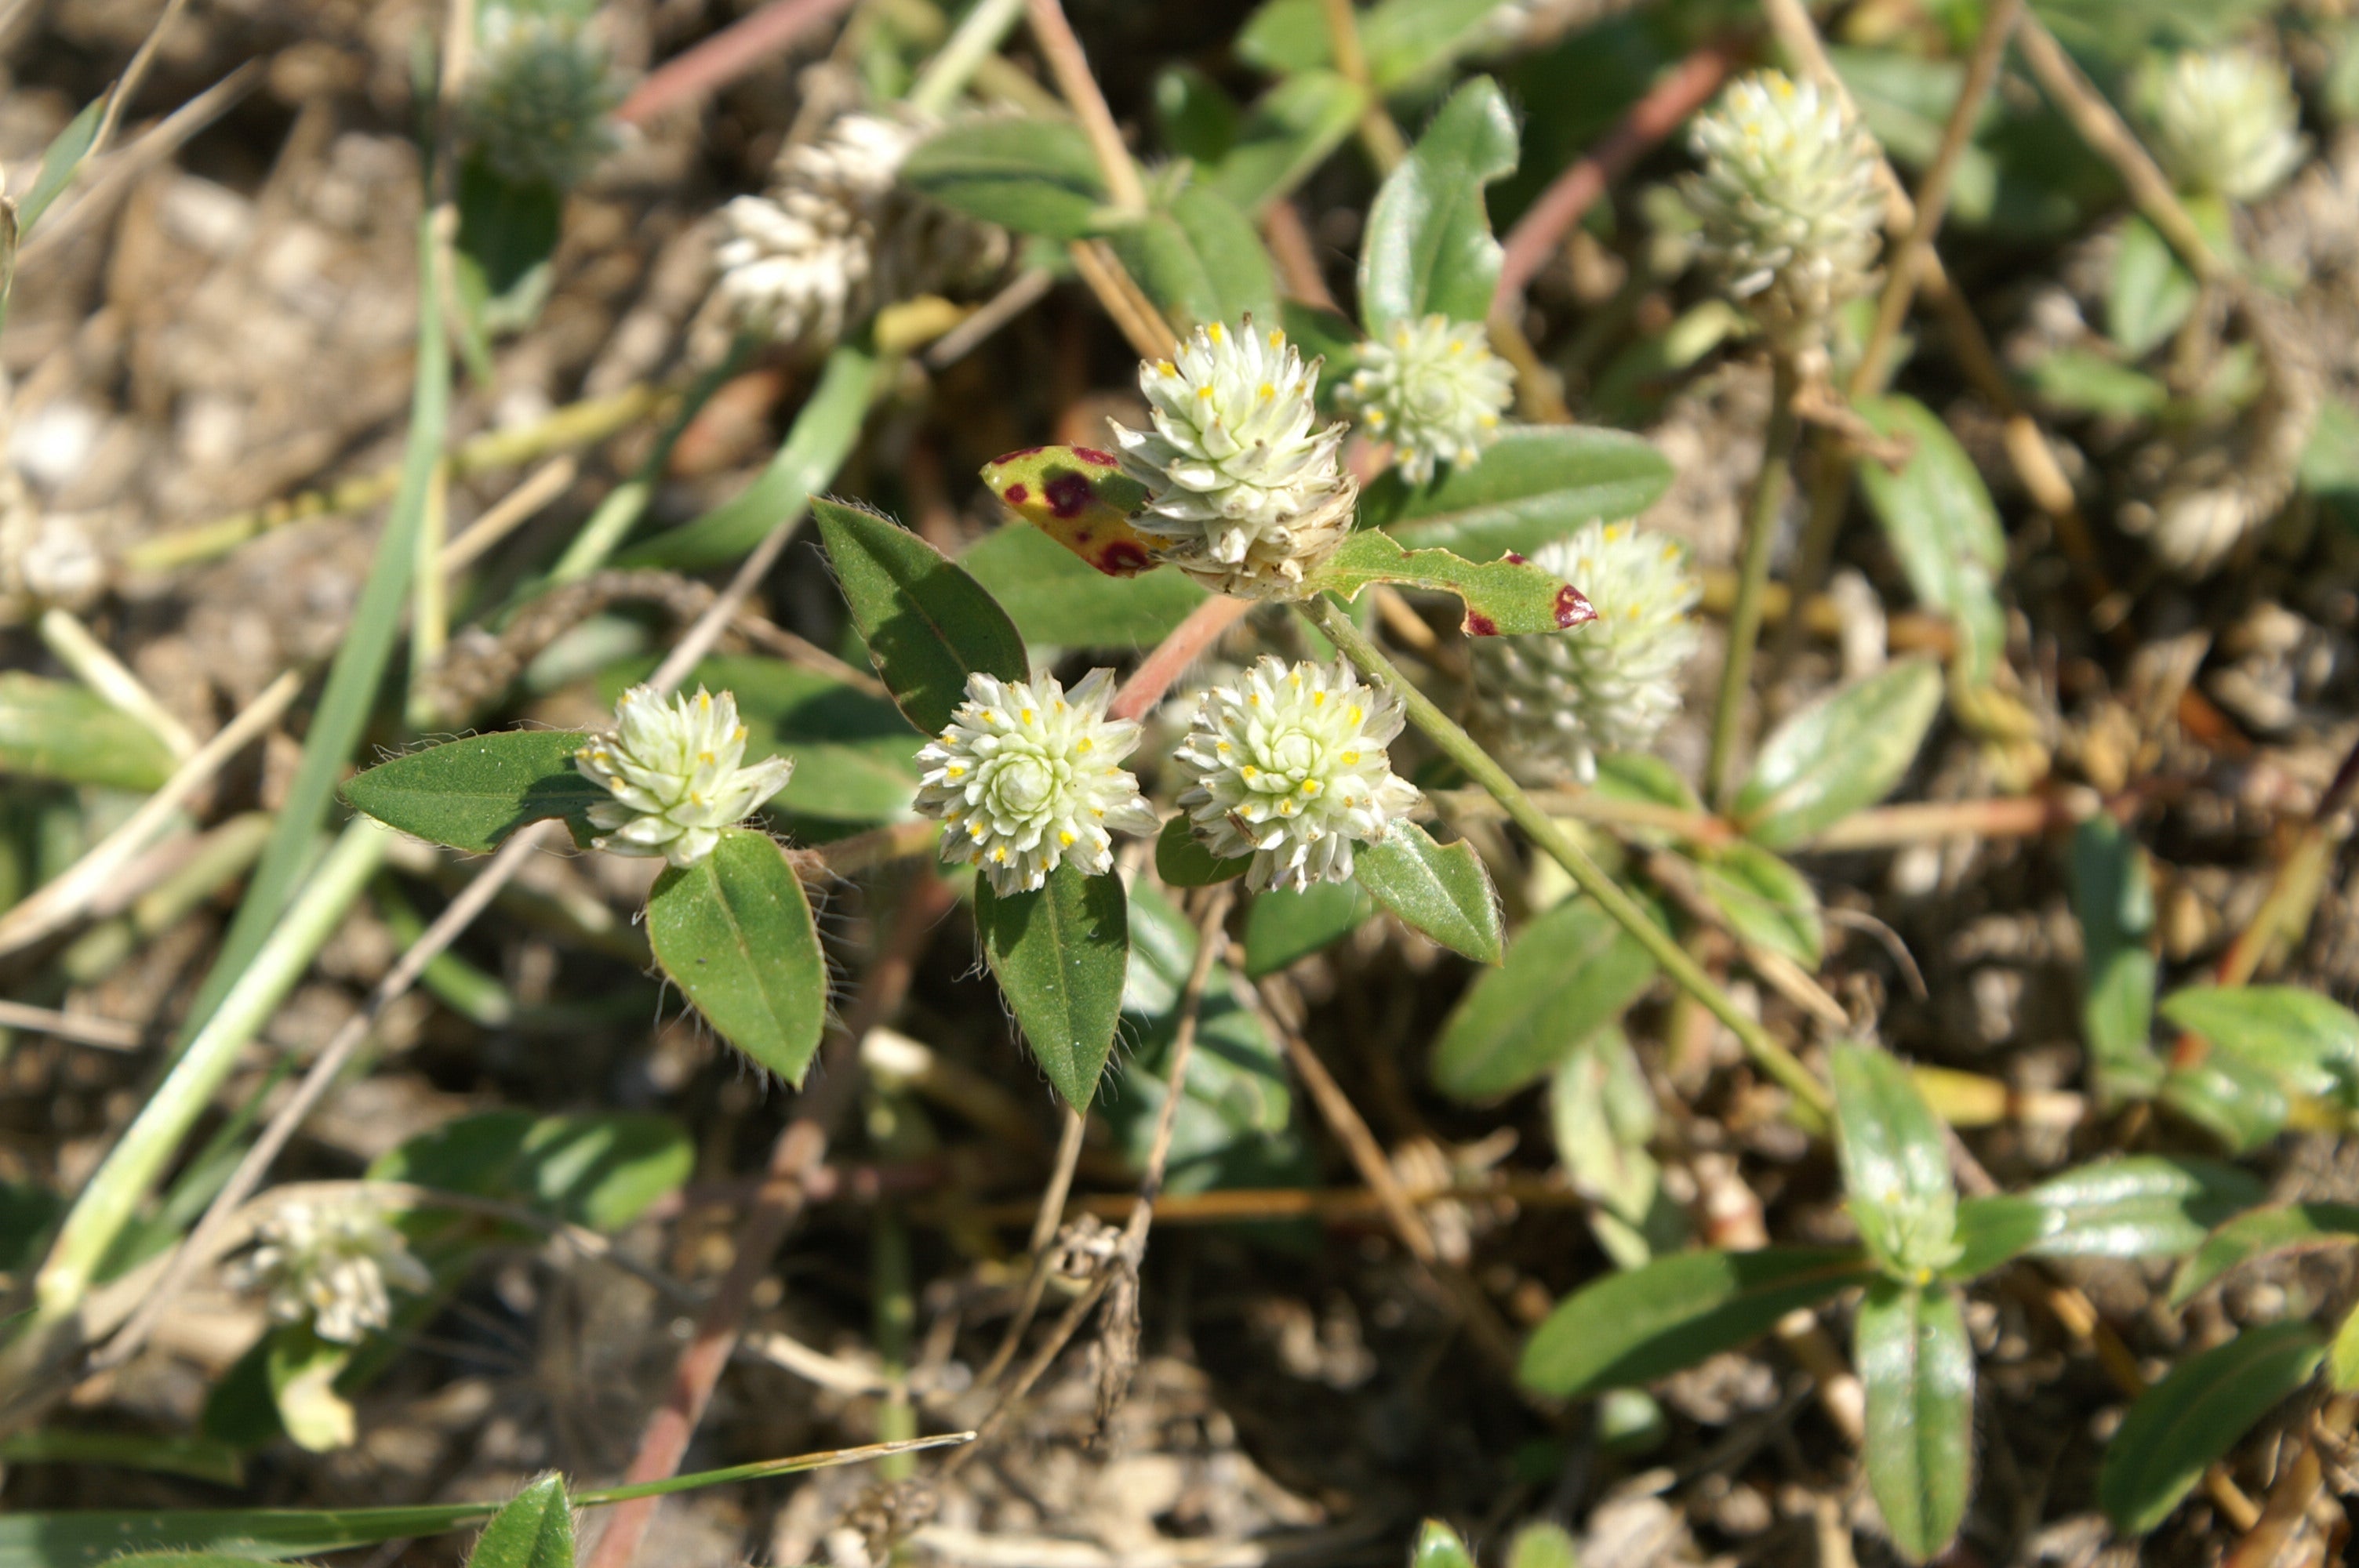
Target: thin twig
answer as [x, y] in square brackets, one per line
[801, 1150]
[1290, 247]
[508, 514]
[1045, 1218]
[738, 49]
[1027, 288]
[95, 665]
[133, 76]
[117, 173]
[1182, 646]
[106, 1034]
[1150, 335]
[1070, 66]
[1386, 147]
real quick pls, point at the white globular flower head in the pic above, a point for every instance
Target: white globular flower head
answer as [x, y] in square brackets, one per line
[674, 769]
[539, 100]
[2226, 124]
[1788, 201]
[1289, 764]
[1247, 490]
[334, 1264]
[1551, 703]
[835, 235]
[1030, 776]
[1434, 389]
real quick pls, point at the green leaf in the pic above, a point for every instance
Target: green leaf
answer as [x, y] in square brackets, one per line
[2201, 1410]
[2242, 1104]
[2264, 1232]
[535, 1530]
[2304, 1040]
[2081, 381]
[471, 793]
[1283, 928]
[600, 1170]
[2113, 895]
[1198, 118]
[202, 1458]
[1918, 1368]
[2330, 463]
[1895, 1164]
[1182, 861]
[1060, 955]
[2343, 1356]
[1438, 1546]
[1839, 754]
[1997, 1229]
[1505, 597]
[1428, 247]
[57, 730]
[507, 234]
[1289, 133]
[1535, 484]
[1764, 901]
[1939, 518]
[2150, 291]
[734, 932]
[2142, 1206]
[1542, 1544]
[1200, 259]
[1035, 177]
[928, 624]
[1567, 974]
[1630, 1329]
[823, 435]
[73, 1538]
[1443, 893]
[303, 1369]
[1602, 1113]
[60, 163]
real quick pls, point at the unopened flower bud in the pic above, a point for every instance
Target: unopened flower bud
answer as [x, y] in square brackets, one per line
[1434, 389]
[673, 768]
[1030, 776]
[1552, 703]
[1289, 764]
[1247, 492]
[538, 102]
[2226, 124]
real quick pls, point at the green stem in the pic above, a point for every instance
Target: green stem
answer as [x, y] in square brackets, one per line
[954, 64]
[132, 1167]
[1813, 1103]
[897, 1319]
[1753, 579]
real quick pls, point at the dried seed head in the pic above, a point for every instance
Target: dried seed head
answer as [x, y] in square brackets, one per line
[1247, 493]
[1289, 764]
[1551, 703]
[673, 769]
[1028, 775]
[1434, 389]
[1788, 201]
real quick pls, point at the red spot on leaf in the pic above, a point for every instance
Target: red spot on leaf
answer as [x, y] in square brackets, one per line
[1512, 559]
[1480, 625]
[1011, 457]
[1018, 494]
[1068, 494]
[1573, 607]
[1123, 558]
[1092, 454]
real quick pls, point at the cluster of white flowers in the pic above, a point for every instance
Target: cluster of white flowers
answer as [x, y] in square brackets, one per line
[1788, 201]
[1247, 492]
[2226, 124]
[330, 1263]
[836, 235]
[1030, 776]
[1434, 389]
[1551, 703]
[1289, 765]
[674, 769]
[538, 102]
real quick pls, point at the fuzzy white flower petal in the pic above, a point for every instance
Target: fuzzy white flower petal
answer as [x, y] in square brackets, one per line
[674, 769]
[1030, 776]
[1434, 389]
[2226, 124]
[1246, 492]
[332, 1264]
[1289, 764]
[538, 101]
[1551, 703]
[1787, 197]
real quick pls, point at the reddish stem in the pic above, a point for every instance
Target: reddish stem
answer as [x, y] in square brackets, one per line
[798, 1155]
[1183, 647]
[734, 51]
[1667, 103]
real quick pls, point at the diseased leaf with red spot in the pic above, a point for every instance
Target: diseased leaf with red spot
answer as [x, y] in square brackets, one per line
[1507, 595]
[1080, 497]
